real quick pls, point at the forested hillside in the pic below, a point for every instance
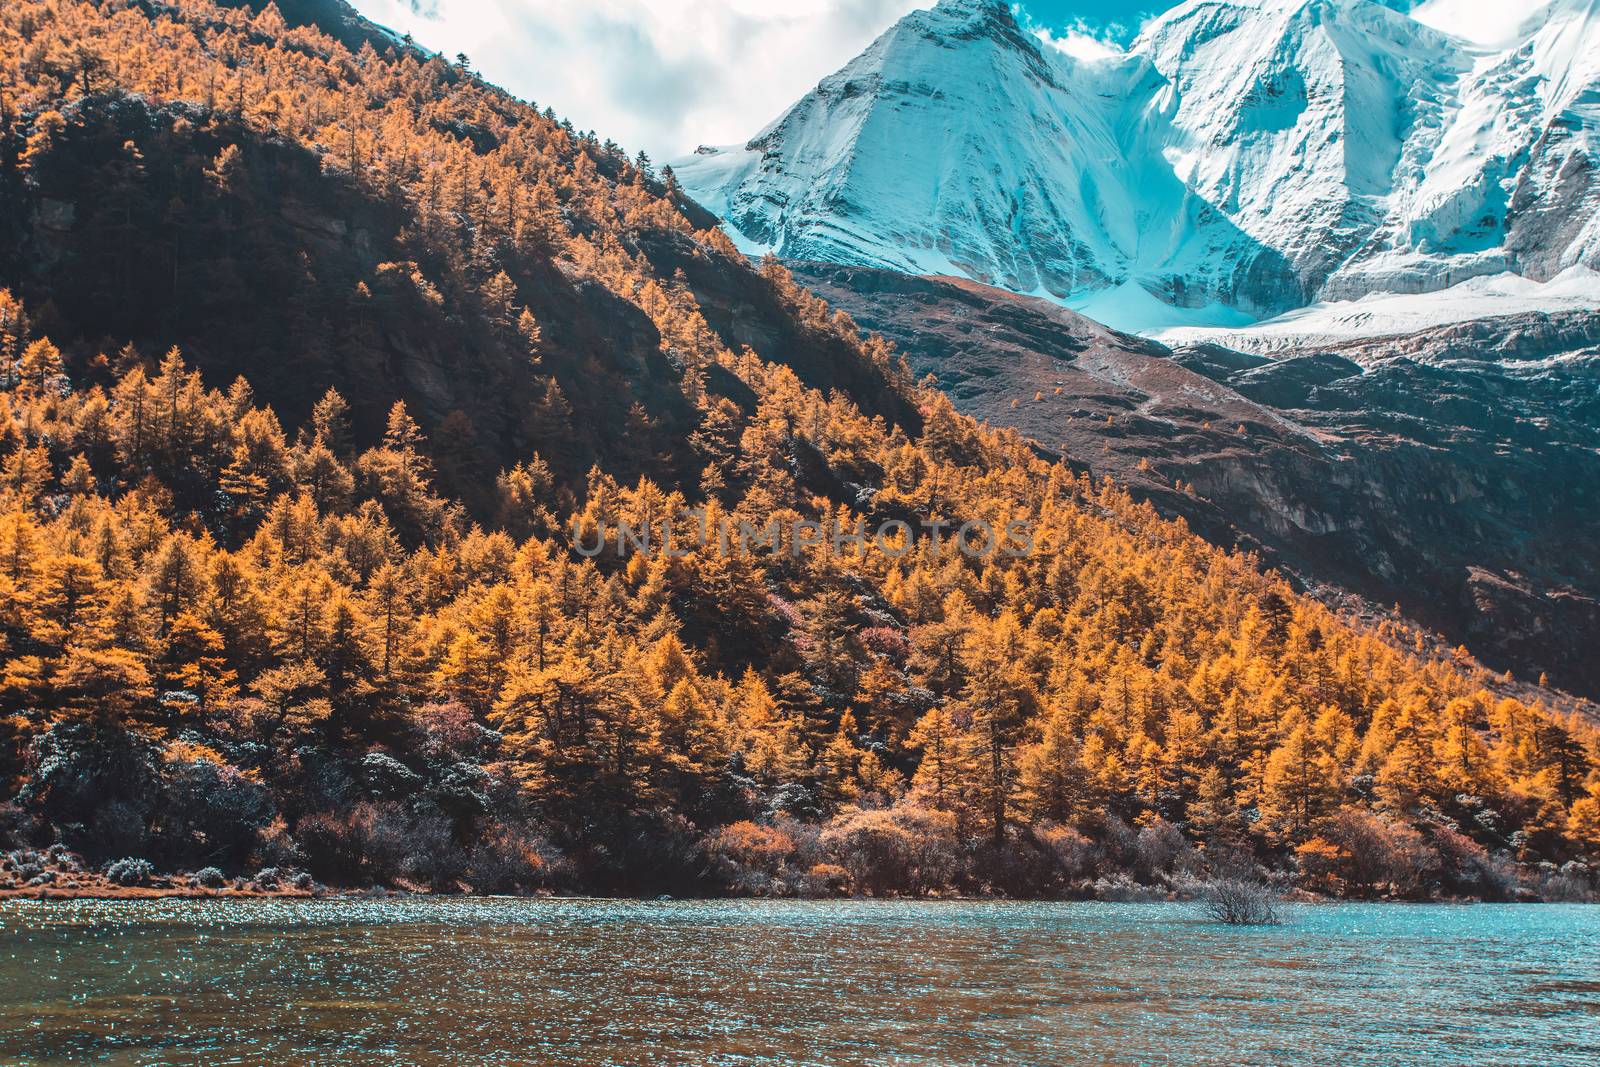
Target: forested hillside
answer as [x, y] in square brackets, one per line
[322, 370]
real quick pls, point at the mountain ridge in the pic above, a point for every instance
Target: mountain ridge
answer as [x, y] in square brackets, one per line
[1242, 159]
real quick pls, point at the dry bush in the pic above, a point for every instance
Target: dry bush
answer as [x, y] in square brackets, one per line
[1572, 883]
[1239, 901]
[1120, 888]
[510, 861]
[1467, 867]
[1074, 855]
[210, 878]
[1322, 864]
[904, 850]
[825, 879]
[1381, 853]
[378, 843]
[1119, 840]
[748, 857]
[210, 810]
[1159, 848]
[131, 871]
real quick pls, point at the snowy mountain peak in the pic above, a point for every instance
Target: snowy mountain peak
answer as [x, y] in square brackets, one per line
[997, 10]
[1242, 159]
[950, 137]
[974, 14]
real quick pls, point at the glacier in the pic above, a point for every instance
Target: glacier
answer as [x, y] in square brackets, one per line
[1240, 160]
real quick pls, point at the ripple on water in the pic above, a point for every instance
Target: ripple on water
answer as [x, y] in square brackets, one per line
[748, 982]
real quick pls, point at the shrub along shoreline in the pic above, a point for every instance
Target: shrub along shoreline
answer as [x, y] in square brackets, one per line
[747, 860]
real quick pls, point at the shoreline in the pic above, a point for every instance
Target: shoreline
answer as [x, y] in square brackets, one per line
[60, 894]
[50, 894]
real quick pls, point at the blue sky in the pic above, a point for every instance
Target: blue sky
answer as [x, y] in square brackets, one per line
[1096, 15]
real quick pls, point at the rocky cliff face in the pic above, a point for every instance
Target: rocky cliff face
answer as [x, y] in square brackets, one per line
[1408, 470]
[1243, 158]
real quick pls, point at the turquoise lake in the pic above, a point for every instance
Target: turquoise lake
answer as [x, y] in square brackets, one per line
[456, 981]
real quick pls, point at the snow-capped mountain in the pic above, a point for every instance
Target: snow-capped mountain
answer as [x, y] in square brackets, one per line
[1241, 159]
[954, 143]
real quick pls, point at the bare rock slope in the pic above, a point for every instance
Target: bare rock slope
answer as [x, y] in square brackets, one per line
[1409, 470]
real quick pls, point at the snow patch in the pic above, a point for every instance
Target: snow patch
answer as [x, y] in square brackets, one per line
[1132, 308]
[1391, 314]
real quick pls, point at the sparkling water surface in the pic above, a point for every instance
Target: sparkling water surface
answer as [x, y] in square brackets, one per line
[453, 981]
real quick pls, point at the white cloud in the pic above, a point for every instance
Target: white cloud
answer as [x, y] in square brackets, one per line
[661, 75]
[1080, 43]
[1488, 22]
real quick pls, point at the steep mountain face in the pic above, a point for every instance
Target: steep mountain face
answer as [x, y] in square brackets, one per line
[1498, 170]
[953, 141]
[1410, 471]
[1243, 158]
[1291, 119]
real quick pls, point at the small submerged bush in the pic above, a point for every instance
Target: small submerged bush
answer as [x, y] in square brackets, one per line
[1239, 902]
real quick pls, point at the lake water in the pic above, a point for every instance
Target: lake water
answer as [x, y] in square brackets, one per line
[603, 982]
